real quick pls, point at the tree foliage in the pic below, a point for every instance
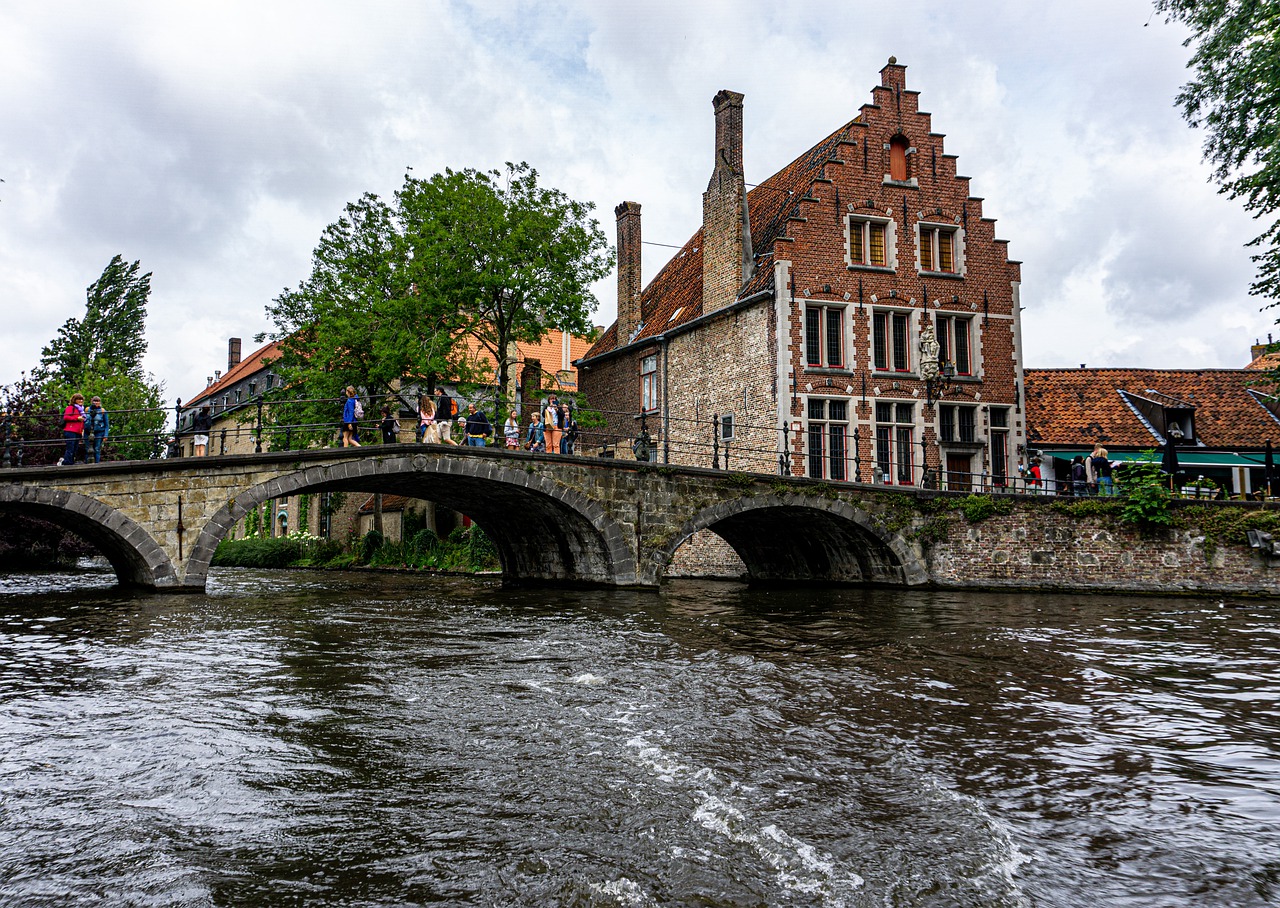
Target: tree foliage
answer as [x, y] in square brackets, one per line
[515, 258]
[358, 319]
[1234, 94]
[397, 290]
[111, 337]
[98, 354]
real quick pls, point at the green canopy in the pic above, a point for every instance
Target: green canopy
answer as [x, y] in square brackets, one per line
[1187, 457]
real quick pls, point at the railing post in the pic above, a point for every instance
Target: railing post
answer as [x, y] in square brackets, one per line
[177, 425]
[784, 459]
[257, 449]
[715, 441]
[288, 438]
[222, 442]
[857, 456]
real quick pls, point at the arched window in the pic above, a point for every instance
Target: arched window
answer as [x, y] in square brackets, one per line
[898, 146]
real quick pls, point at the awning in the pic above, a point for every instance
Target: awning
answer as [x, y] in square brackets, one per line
[1187, 457]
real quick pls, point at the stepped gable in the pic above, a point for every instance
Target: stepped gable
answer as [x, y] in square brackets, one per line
[1084, 406]
[678, 286]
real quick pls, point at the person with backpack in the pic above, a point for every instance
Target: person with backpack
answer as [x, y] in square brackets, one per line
[446, 412]
[351, 413]
[97, 426]
[390, 426]
[1079, 477]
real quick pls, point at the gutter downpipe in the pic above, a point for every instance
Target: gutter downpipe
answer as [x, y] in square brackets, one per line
[666, 405]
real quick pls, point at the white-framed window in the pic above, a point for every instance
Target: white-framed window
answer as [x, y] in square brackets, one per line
[870, 242]
[824, 342]
[891, 341]
[895, 441]
[939, 248]
[956, 422]
[828, 438]
[999, 417]
[649, 383]
[955, 342]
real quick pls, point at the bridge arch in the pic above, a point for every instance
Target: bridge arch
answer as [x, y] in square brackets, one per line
[135, 556]
[543, 530]
[805, 538]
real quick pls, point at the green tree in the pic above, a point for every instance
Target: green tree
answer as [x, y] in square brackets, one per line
[359, 319]
[99, 354]
[1234, 94]
[516, 259]
[112, 334]
[396, 290]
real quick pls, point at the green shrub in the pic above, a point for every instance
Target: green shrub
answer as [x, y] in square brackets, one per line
[1146, 500]
[369, 545]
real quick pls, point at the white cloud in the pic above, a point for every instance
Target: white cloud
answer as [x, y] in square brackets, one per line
[214, 141]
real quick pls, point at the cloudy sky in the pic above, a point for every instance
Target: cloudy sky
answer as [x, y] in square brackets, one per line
[214, 141]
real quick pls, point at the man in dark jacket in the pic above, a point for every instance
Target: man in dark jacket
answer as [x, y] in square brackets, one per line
[478, 427]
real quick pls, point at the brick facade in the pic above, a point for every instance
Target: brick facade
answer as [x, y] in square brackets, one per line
[837, 264]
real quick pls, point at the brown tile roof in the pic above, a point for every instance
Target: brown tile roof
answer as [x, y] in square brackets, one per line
[1267, 361]
[1078, 407]
[389, 503]
[674, 296]
[255, 362]
[549, 351]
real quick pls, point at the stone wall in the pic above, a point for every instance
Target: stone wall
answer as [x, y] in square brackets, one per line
[1040, 547]
[706, 555]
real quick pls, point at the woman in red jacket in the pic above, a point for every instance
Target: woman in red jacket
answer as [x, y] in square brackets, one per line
[73, 427]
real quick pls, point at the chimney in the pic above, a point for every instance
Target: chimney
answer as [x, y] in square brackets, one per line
[629, 315]
[233, 353]
[727, 260]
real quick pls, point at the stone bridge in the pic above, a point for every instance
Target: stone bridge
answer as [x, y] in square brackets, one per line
[591, 521]
[553, 519]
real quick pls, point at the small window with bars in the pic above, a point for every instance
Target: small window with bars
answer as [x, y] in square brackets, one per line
[895, 442]
[824, 336]
[828, 438]
[955, 343]
[891, 347]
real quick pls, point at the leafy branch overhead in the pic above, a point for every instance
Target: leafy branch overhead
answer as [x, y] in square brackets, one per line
[1234, 95]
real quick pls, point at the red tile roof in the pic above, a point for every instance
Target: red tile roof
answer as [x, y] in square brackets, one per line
[389, 503]
[255, 362]
[1078, 407]
[1267, 361]
[674, 296]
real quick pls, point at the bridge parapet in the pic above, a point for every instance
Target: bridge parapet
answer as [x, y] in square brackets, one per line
[573, 520]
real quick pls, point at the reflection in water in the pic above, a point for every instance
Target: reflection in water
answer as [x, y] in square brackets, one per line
[295, 738]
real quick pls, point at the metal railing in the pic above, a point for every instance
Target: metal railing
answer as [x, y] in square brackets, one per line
[262, 424]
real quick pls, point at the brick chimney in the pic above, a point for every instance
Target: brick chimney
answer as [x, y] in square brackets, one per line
[629, 314]
[233, 353]
[727, 260]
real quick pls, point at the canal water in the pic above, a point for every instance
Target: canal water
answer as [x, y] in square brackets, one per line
[309, 739]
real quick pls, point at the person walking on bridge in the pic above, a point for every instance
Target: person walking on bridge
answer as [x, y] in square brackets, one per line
[478, 427]
[351, 413]
[72, 428]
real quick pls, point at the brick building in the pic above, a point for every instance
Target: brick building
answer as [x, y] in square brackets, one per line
[1221, 420]
[853, 315]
